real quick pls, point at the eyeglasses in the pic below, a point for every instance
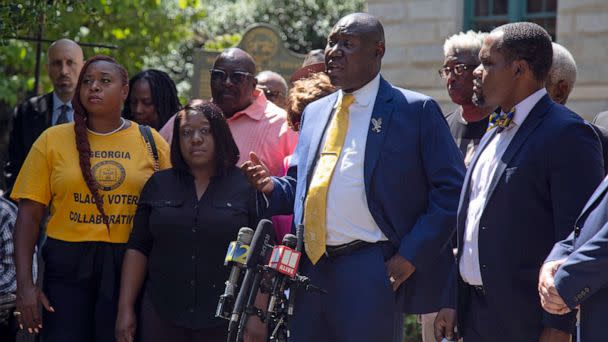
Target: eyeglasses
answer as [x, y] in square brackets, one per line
[270, 94]
[457, 69]
[237, 77]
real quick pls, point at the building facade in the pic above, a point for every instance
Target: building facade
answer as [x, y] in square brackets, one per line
[416, 30]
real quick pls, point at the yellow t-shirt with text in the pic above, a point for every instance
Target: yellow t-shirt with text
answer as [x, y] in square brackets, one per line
[120, 163]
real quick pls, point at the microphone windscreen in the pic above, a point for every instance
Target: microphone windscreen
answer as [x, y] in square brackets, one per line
[261, 243]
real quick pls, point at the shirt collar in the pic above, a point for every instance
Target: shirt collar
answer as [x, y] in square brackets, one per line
[58, 103]
[364, 95]
[256, 109]
[524, 108]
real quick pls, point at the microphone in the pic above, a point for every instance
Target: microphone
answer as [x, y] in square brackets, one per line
[235, 256]
[284, 261]
[292, 291]
[258, 252]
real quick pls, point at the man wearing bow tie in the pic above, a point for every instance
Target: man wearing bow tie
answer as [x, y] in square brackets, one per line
[375, 180]
[530, 177]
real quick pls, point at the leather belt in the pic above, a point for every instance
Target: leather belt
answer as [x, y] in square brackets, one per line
[345, 249]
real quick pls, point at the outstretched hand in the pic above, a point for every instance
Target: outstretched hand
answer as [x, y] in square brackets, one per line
[257, 174]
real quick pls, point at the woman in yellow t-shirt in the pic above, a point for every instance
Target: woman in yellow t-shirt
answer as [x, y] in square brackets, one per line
[90, 173]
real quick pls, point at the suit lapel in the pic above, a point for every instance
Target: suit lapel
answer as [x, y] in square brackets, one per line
[463, 205]
[382, 113]
[322, 119]
[528, 126]
[45, 109]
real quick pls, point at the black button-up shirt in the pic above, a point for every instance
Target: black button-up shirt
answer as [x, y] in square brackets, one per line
[186, 239]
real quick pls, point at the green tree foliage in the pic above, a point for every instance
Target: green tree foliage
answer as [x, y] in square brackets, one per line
[142, 30]
[304, 24]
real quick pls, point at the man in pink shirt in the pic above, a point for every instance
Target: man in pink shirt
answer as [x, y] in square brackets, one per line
[257, 125]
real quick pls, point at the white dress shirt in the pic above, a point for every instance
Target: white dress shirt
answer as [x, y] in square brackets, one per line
[481, 177]
[348, 216]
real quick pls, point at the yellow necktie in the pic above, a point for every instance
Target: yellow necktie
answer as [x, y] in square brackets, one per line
[316, 199]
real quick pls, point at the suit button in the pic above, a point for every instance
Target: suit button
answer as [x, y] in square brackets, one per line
[483, 228]
[483, 266]
[192, 282]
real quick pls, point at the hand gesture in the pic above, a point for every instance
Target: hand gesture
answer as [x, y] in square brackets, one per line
[257, 174]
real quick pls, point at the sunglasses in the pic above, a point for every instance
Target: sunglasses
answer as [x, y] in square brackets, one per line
[237, 77]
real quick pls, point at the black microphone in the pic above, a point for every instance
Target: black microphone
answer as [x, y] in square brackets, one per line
[284, 261]
[258, 252]
[292, 290]
[236, 256]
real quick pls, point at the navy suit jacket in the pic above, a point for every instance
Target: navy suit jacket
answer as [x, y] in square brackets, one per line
[583, 278]
[542, 182]
[413, 174]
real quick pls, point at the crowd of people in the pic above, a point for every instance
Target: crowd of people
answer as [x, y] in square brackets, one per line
[489, 222]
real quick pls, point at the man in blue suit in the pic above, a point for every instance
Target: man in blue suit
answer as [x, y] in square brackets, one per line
[377, 229]
[530, 177]
[574, 274]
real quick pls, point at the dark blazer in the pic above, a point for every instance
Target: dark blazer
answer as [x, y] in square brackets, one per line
[413, 173]
[583, 278]
[600, 125]
[29, 120]
[541, 183]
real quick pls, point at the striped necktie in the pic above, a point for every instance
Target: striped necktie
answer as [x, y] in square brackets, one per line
[63, 114]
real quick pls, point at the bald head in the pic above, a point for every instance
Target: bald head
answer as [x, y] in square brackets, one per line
[274, 87]
[64, 62]
[365, 24]
[354, 51]
[238, 56]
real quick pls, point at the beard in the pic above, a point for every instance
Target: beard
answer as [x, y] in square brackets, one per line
[478, 99]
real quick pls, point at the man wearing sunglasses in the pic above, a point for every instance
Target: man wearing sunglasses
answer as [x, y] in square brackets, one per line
[274, 87]
[257, 124]
[468, 123]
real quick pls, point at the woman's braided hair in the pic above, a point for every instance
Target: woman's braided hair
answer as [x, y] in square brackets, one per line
[80, 129]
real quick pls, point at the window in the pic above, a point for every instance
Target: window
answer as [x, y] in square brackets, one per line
[484, 15]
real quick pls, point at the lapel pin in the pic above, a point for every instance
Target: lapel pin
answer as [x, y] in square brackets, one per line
[377, 125]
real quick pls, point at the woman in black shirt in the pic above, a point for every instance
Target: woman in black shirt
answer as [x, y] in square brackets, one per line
[185, 219]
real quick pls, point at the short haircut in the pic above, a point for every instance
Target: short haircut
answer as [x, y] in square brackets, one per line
[163, 92]
[469, 41]
[564, 66]
[302, 93]
[226, 151]
[529, 42]
[273, 75]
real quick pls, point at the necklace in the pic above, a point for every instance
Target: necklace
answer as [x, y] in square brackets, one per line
[123, 122]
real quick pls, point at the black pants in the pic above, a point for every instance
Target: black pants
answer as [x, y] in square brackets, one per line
[153, 328]
[8, 329]
[81, 281]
